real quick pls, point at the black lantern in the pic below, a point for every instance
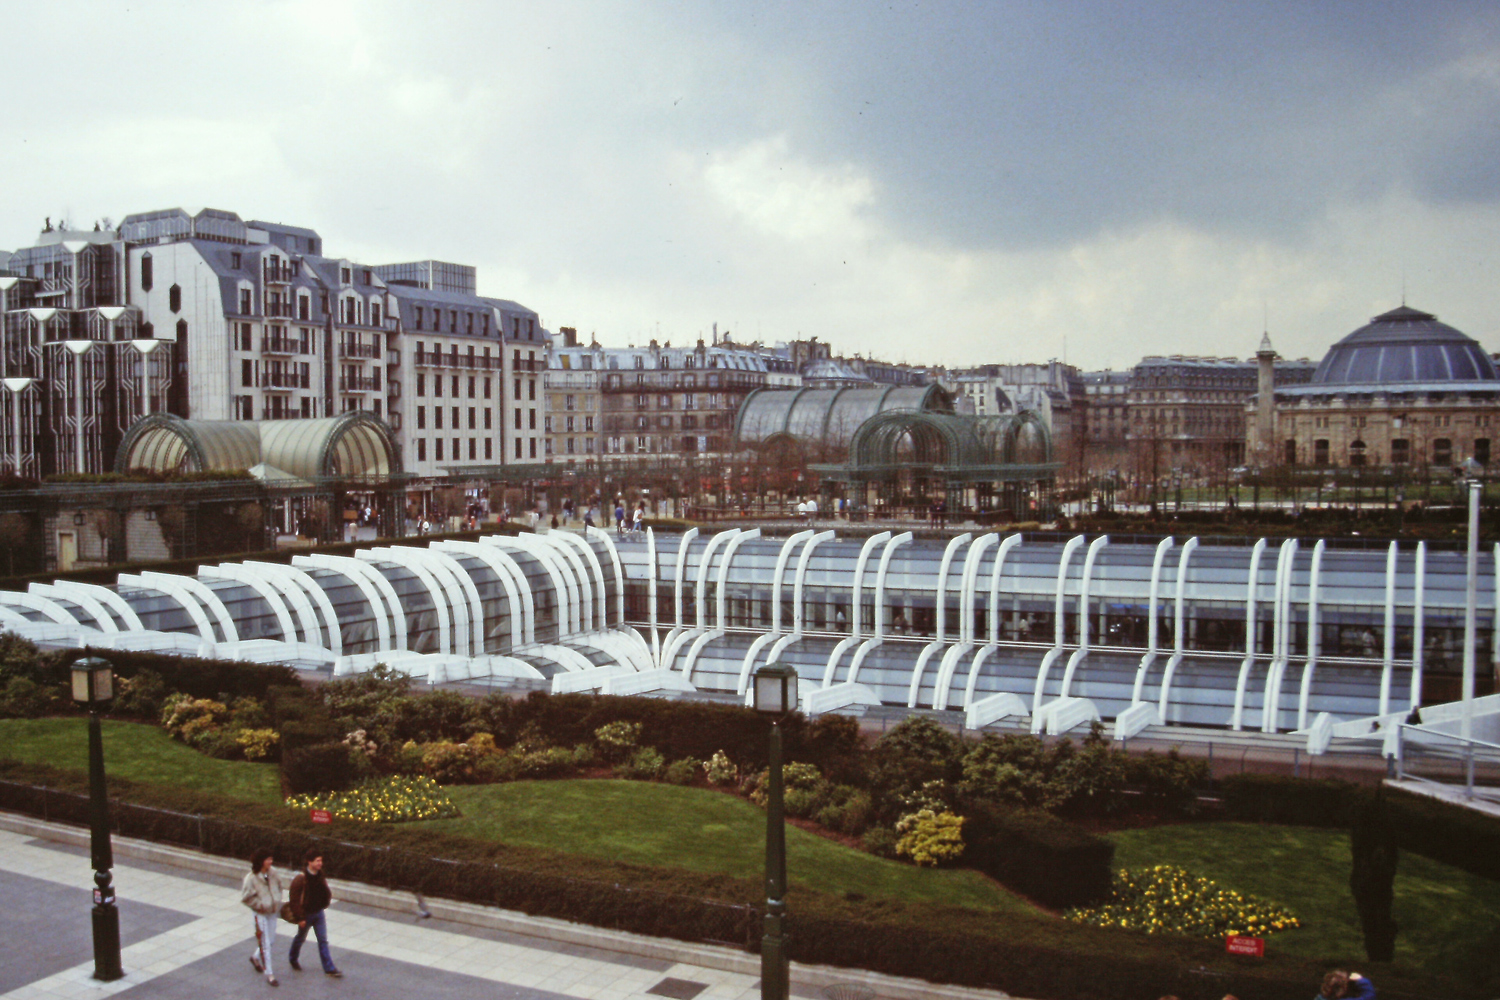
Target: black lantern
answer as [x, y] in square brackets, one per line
[93, 686]
[775, 690]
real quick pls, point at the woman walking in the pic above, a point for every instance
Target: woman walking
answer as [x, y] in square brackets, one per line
[261, 891]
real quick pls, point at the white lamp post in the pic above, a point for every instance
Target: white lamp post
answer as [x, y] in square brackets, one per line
[16, 387]
[79, 349]
[145, 347]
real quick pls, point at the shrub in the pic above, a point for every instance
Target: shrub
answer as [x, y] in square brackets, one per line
[394, 799]
[257, 744]
[185, 716]
[682, 772]
[930, 838]
[140, 696]
[644, 765]
[216, 741]
[1167, 780]
[427, 718]
[794, 777]
[360, 697]
[1168, 900]
[617, 740]
[24, 698]
[449, 763]
[880, 841]
[720, 770]
[318, 767]
[916, 751]
[845, 809]
[248, 712]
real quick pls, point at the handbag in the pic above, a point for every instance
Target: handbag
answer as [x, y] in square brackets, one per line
[287, 914]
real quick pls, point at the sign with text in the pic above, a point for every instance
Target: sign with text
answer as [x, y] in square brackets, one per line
[1238, 945]
[324, 816]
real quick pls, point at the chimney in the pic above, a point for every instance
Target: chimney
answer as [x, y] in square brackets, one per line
[570, 336]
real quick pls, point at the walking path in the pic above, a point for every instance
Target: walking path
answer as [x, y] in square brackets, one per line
[185, 935]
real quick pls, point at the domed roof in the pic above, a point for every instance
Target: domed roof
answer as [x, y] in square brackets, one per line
[1405, 345]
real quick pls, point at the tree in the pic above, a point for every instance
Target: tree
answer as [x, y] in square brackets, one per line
[15, 533]
[1372, 876]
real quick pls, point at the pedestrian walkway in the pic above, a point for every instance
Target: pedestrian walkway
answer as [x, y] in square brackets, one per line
[184, 935]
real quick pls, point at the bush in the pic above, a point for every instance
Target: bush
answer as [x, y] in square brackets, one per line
[427, 718]
[318, 767]
[186, 717]
[644, 765]
[1168, 900]
[880, 841]
[24, 698]
[682, 772]
[141, 696]
[617, 740]
[914, 753]
[218, 741]
[257, 744]
[720, 770]
[1167, 780]
[1266, 798]
[930, 838]
[845, 809]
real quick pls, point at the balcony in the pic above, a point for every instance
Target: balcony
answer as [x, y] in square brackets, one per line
[283, 309]
[281, 381]
[349, 350]
[359, 383]
[437, 359]
[278, 275]
[280, 345]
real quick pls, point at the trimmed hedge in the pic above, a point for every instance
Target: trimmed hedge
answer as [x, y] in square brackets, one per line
[1050, 860]
[1456, 836]
[1027, 954]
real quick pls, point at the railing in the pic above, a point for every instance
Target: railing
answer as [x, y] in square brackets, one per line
[280, 275]
[1424, 754]
[351, 350]
[281, 380]
[287, 309]
[280, 345]
[359, 384]
[437, 359]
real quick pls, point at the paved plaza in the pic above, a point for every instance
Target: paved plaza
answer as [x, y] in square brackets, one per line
[185, 935]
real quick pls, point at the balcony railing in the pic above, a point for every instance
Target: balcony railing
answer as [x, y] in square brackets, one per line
[437, 359]
[359, 384]
[281, 345]
[286, 309]
[279, 275]
[281, 380]
[359, 350]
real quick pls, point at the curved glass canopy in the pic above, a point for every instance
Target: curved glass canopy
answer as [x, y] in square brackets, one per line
[351, 445]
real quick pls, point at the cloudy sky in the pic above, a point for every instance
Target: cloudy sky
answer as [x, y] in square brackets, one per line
[935, 183]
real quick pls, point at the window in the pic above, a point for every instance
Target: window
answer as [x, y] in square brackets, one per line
[518, 447]
[471, 418]
[421, 384]
[533, 447]
[518, 424]
[244, 302]
[517, 389]
[588, 424]
[455, 418]
[1482, 451]
[471, 386]
[302, 307]
[531, 388]
[344, 276]
[234, 261]
[1400, 451]
[146, 270]
[437, 417]
[455, 378]
[437, 386]
[247, 372]
[488, 413]
[532, 414]
[452, 320]
[1442, 451]
[437, 449]
[473, 446]
[421, 449]
[421, 418]
[488, 441]
[182, 330]
[174, 298]
[486, 387]
[375, 314]
[1357, 453]
[416, 317]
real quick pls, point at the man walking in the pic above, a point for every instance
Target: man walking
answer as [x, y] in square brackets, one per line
[261, 891]
[310, 898]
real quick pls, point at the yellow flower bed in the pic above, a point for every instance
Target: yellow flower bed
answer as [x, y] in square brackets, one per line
[396, 799]
[1168, 900]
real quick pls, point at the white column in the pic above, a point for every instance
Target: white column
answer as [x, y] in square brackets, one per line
[79, 349]
[17, 386]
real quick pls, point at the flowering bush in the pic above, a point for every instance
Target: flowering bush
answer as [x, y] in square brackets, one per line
[359, 742]
[617, 740]
[395, 799]
[794, 777]
[1168, 900]
[644, 765]
[930, 838]
[720, 770]
[256, 744]
[186, 716]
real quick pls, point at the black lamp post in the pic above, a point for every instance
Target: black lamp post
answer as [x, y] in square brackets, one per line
[93, 685]
[775, 696]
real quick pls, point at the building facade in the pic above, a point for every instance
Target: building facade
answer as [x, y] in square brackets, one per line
[1404, 391]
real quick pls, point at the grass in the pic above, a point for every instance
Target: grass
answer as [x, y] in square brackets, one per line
[697, 829]
[1443, 913]
[139, 752]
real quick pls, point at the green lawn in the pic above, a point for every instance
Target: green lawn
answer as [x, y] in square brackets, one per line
[1443, 912]
[139, 752]
[697, 829]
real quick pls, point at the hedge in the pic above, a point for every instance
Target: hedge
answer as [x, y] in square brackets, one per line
[1438, 830]
[1054, 862]
[1026, 954]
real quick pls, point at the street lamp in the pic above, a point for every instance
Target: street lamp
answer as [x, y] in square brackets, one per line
[93, 685]
[775, 695]
[17, 386]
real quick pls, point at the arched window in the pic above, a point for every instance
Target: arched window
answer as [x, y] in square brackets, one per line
[174, 298]
[1357, 454]
[181, 330]
[146, 272]
[1442, 451]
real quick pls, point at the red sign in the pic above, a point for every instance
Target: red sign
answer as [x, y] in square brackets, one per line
[1237, 945]
[320, 816]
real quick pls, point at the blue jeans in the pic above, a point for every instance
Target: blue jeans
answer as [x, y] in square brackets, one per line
[319, 926]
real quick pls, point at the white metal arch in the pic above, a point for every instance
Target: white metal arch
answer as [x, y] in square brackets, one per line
[1282, 631]
[798, 611]
[268, 593]
[415, 565]
[308, 600]
[443, 561]
[678, 638]
[614, 555]
[95, 610]
[169, 585]
[880, 575]
[1153, 629]
[589, 556]
[1059, 627]
[1179, 622]
[782, 558]
[942, 687]
[508, 562]
[490, 558]
[856, 592]
[105, 596]
[1252, 636]
[721, 603]
[1085, 589]
[385, 606]
[651, 574]
[37, 602]
[578, 572]
[566, 594]
[209, 600]
[993, 646]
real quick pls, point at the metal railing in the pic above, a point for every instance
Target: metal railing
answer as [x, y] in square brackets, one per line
[351, 350]
[281, 345]
[1424, 754]
[359, 384]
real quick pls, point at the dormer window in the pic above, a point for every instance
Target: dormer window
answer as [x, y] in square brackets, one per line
[344, 275]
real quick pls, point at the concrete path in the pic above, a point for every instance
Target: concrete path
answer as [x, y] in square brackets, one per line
[185, 935]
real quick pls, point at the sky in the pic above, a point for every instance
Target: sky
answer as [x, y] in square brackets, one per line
[934, 183]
